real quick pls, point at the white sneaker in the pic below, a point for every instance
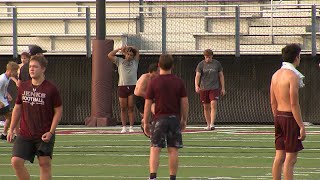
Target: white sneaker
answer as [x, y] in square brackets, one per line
[131, 129]
[124, 130]
[207, 128]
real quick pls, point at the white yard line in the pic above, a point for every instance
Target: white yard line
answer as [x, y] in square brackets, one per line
[188, 127]
[180, 166]
[143, 177]
[164, 155]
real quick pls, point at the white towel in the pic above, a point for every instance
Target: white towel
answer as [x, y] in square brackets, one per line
[287, 65]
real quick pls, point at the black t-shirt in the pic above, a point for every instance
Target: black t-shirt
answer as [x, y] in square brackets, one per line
[24, 73]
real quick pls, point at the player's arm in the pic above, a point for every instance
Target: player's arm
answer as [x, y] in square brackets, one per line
[146, 115]
[197, 82]
[19, 82]
[15, 80]
[16, 114]
[295, 106]
[2, 86]
[20, 77]
[9, 97]
[141, 86]
[137, 57]
[294, 101]
[112, 54]
[56, 119]
[137, 88]
[222, 82]
[273, 101]
[184, 112]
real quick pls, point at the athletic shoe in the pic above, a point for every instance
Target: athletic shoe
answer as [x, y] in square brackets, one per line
[131, 129]
[3, 137]
[207, 128]
[212, 128]
[124, 130]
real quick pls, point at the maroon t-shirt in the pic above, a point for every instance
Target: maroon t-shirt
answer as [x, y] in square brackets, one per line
[167, 91]
[38, 105]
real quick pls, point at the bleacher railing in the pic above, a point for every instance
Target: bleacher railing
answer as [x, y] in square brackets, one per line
[177, 29]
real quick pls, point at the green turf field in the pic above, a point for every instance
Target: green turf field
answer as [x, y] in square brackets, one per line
[227, 153]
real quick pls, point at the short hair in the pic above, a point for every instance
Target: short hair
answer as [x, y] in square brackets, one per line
[40, 59]
[166, 61]
[153, 67]
[26, 54]
[290, 52]
[12, 66]
[208, 52]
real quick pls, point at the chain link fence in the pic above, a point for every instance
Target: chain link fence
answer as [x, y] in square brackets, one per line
[247, 85]
[181, 28]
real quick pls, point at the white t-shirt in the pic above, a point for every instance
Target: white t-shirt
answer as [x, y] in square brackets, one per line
[128, 71]
[4, 81]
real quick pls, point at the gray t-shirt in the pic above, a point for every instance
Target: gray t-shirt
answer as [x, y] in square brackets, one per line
[4, 81]
[127, 71]
[209, 74]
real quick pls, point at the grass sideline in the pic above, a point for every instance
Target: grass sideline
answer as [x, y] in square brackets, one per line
[243, 152]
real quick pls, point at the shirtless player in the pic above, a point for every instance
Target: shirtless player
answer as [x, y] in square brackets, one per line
[141, 88]
[289, 127]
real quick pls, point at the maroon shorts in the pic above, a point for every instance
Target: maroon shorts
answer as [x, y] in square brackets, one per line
[125, 91]
[287, 132]
[206, 96]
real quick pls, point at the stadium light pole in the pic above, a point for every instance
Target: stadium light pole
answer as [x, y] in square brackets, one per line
[102, 73]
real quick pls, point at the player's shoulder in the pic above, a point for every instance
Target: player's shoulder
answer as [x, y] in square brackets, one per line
[276, 74]
[50, 84]
[177, 79]
[156, 78]
[25, 66]
[118, 59]
[201, 63]
[145, 75]
[284, 74]
[288, 73]
[216, 61]
[26, 82]
[2, 76]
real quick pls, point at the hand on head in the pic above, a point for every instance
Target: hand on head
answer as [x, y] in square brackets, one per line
[123, 49]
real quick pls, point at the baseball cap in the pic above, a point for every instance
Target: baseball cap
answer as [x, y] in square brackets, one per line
[34, 49]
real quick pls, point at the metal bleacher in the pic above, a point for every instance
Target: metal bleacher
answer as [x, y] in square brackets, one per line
[60, 26]
[258, 29]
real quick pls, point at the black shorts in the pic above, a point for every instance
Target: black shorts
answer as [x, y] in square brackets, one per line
[166, 131]
[5, 110]
[27, 149]
[140, 103]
